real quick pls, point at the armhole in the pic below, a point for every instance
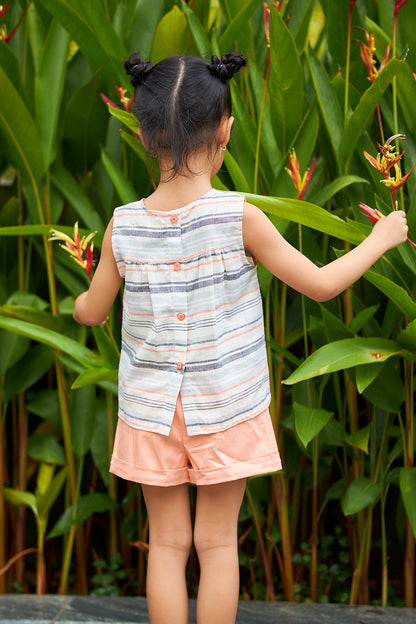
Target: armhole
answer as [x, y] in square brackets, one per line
[114, 246]
[250, 259]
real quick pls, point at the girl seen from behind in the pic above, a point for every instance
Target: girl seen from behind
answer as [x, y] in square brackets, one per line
[193, 376]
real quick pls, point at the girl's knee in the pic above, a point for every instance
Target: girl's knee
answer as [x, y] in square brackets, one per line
[179, 541]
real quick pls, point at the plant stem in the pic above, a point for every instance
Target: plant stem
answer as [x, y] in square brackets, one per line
[266, 566]
[347, 65]
[263, 101]
[409, 556]
[280, 490]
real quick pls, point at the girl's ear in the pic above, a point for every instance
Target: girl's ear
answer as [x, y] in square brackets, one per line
[224, 130]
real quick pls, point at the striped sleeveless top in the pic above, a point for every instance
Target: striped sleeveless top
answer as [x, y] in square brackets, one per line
[192, 316]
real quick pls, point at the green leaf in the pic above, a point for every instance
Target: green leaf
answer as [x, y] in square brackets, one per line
[49, 86]
[328, 102]
[238, 24]
[88, 25]
[285, 82]
[87, 505]
[49, 497]
[128, 119]
[307, 214]
[366, 374]
[309, 421]
[363, 114]
[198, 33]
[27, 371]
[45, 404]
[335, 186]
[237, 176]
[82, 411]
[359, 439]
[135, 145]
[394, 292]
[171, 36]
[20, 499]
[13, 347]
[361, 493]
[407, 338]
[21, 141]
[67, 185]
[343, 354]
[94, 376]
[52, 339]
[9, 62]
[408, 491]
[84, 126]
[123, 186]
[45, 448]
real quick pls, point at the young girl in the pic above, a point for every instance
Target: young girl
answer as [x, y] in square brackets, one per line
[193, 378]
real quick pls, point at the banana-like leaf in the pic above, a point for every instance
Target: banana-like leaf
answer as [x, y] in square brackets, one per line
[88, 25]
[198, 33]
[95, 376]
[335, 186]
[21, 499]
[359, 439]
[86, 505]
[394, 292]
[171, 36]
[49, 86]
[81, 354]
[123, 186]
[285, 82]
[328, 102]
[21, 141]
[46, 501]
[343, 354]
[82, 418]
[234, 28]
[307, 214]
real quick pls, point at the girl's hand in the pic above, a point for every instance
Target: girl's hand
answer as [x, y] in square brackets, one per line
[392, 230]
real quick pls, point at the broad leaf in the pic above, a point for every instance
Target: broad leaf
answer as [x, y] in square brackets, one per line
[361, 493]
[310, 421]
[343, 354]
[408, 491]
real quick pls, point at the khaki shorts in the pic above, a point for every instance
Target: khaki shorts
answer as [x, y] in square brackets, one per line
[246, 449]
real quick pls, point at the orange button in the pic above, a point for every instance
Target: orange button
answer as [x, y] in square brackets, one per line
[179, 366]
[177, 266]
[180, 316]
[174, 219]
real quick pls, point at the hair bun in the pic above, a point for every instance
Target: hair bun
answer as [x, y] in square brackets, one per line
[227, 66]
[137, 69]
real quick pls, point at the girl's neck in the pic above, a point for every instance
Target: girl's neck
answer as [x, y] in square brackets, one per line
[181, 190]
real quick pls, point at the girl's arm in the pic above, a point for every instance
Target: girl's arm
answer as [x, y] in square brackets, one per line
[93, 306]
[265, 243]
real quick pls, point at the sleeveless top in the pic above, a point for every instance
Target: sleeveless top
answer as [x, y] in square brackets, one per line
[192, 316]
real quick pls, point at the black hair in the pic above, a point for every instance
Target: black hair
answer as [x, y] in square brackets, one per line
[181, 101]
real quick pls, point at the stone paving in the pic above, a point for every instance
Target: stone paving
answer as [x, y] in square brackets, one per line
[29, 609]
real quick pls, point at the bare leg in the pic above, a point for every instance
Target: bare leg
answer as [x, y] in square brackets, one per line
[215, 537]
[170, 539]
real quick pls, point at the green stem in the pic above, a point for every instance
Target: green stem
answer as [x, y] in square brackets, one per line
[314, 544]
[347, 66]
[263, 101]
[2, 506]
[280, 489]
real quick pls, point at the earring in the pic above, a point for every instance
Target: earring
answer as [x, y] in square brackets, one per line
[223, 148]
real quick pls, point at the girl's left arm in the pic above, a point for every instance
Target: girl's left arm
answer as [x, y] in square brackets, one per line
[92, 307]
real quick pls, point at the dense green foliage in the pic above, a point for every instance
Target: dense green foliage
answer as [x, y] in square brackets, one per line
[340, 523]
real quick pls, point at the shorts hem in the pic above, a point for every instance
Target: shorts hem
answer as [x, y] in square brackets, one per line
[148, 476]
[238, 470]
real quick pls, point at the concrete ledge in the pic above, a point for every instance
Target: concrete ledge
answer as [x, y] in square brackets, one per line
[28, 609]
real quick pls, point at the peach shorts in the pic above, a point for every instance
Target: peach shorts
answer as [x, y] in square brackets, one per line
[246, 449]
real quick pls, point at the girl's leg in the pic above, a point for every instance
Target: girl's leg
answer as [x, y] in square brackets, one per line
[215, 538]
[170, 539]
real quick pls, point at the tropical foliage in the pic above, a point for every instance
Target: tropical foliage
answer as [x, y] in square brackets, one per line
[327, 86]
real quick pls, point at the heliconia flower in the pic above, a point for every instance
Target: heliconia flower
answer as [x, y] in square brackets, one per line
[78, 248]
[266, 17]
[367, 54]
[375, 215]
[126, 101]
[121, 92]
[301, 183]
[396, 182]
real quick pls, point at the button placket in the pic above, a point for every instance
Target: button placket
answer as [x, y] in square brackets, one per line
[179, 299]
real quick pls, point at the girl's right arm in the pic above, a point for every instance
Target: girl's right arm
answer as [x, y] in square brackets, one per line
[93, 306]
[265, 243]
